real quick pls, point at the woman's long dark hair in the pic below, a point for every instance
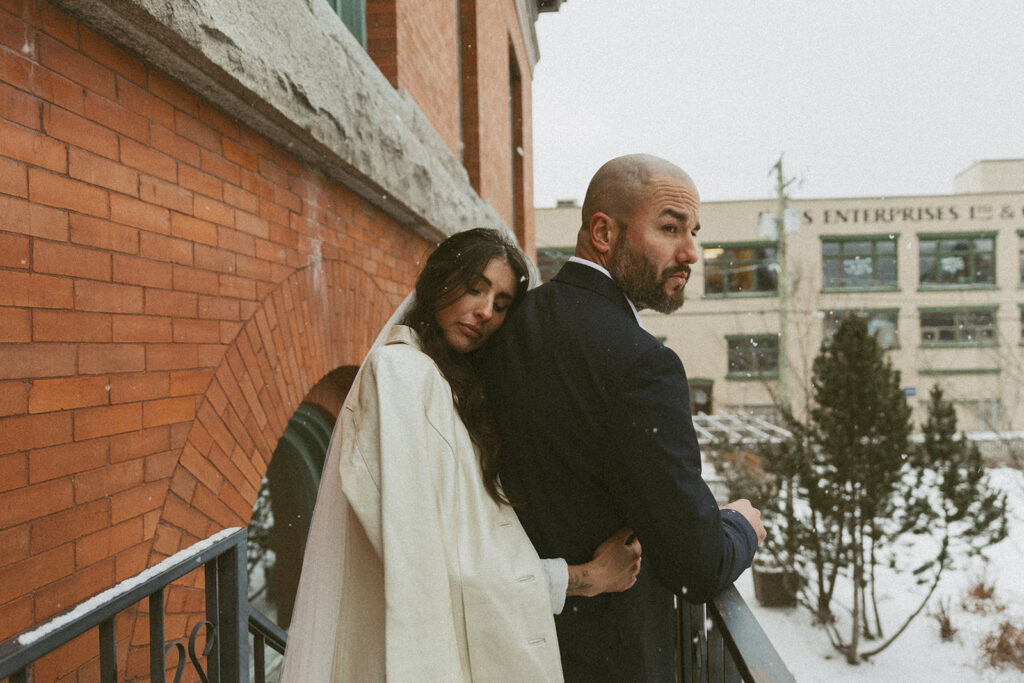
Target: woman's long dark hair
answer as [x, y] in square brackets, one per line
[453, 267]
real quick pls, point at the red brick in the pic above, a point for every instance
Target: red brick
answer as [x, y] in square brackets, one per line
[54, 88]
[96, 359]
[93, 422]
[194, 229]
[215, 118]
[13, 32]
[112, 57]
[59, 191]
[103, 234]
[129, 563]
[103, 482]
[16, 617]
[60, 25]
[237, 287]
[253, 225]
[182, 516]
[228, 331]
[218, 308]
[77, 67]
[168, 411]
[140, 214]
[33, 219]
[22, 432]
[32, 147]
[234, 500]
[79, 131]
[64, 259]
[147, 160]
[170, 91]
[69, 326]
[214, 259]
[240, 155]
[14, 251]
[171, 357]
[167, 303]
[84, 583]
[139, 444]
[32, 502]
[13, 474]
[160, 466]
[66, 459]
[253, 268]
[165, 194]
[161, 248]
[175, 146]
[14, 543]
[15, 325]
[108, 542]
[195, 280]
[210, 355]
[111, 115]
[188, 382]
[196, 131]
[13, 178]
[205, 500]
[197, 331]
[97, 170]
[13, 401]
[36, 571]
[130, 270]
[238, 242]
[139, 387]
[132, 328]
[32, 361]
[58, 529]
[48, 395]
[207, 190]
[142, 102]
[112, 298]
[137, 500]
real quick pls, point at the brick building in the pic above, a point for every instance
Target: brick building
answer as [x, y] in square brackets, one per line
[207, 210]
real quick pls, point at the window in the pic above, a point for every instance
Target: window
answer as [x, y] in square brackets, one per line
[700, 395]
[881, 324]
[958, 260]
[864, 262]
[353, 15]
[962, 327]
[737, 269]
[753, 356]
[551, 259]
[1022, 325]
[1020, 257]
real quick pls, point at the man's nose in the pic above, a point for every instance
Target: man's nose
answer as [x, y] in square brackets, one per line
[687, 252]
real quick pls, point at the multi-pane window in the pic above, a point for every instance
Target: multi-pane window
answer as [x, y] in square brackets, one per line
[1020, 257]
[881, 324]
[735, 269]
[551, 259]
[753, 355]
[958, 326]
[353, 14]
[958, 260]
[1022, 325]
[863, 262]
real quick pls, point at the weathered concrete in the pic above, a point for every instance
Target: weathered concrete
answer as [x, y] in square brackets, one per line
[293, 72]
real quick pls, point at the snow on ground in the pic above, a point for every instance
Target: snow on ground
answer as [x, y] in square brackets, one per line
[918, 654]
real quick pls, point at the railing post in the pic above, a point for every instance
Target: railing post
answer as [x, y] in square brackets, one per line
[211, 583]
[156, 636]
[233, 608]
[692, 643]
[108, 651]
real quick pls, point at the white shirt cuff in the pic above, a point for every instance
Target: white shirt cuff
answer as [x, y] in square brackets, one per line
[557, 570]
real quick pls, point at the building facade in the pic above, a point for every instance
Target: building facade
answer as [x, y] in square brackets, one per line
[940, 280]
[207, 211]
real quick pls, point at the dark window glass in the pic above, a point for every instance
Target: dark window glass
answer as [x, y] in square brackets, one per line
[736, 270]
[957, 262]
[754, 356]
[958, 327]
[867, 263]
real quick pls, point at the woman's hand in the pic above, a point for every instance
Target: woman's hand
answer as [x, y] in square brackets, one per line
[612, 569]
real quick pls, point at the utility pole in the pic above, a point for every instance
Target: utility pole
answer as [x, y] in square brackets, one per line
[781, 183]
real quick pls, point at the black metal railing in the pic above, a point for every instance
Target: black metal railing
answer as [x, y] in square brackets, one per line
[732, 648]
[224, 630]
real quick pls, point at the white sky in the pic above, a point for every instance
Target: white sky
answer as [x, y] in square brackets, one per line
[864, 98]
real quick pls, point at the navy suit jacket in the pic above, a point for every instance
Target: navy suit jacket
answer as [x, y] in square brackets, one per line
[594, 416]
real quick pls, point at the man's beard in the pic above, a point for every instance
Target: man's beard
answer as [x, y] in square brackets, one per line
[638, 279]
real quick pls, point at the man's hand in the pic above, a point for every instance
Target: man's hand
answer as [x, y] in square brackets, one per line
[751, 514]
[613, 568]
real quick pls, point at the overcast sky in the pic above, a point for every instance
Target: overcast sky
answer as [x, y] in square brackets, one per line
[864, 97]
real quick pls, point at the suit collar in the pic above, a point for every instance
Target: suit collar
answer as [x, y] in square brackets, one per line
[580, 275]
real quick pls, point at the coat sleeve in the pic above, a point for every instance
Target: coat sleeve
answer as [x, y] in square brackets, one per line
[654, 474]
[397, 478]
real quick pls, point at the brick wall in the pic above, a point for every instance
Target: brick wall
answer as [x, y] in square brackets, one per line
[172, 285]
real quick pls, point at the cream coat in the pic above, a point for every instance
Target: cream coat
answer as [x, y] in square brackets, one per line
[439, 582]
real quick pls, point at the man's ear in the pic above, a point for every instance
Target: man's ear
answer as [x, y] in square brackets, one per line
[603, 232]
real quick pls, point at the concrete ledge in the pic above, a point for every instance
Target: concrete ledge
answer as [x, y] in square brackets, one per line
[293, 72]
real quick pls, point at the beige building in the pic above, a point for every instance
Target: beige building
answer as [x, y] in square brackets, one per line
[940, 279]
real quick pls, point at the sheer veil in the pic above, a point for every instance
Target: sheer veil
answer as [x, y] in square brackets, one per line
[312, 633]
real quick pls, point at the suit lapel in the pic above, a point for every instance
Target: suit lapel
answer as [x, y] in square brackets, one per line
[579, 275]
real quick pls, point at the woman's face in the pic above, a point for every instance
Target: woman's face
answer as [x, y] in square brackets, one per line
[470, 321]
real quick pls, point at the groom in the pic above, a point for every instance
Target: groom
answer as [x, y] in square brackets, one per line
[596, 429]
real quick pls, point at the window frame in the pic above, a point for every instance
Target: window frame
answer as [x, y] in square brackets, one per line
[1020, 259]
[752, 263]
[874, 239]
[749, 374]
[870, 314]
[957, 311]
[962, 235]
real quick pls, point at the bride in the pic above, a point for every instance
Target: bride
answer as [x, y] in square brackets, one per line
[416, 567]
